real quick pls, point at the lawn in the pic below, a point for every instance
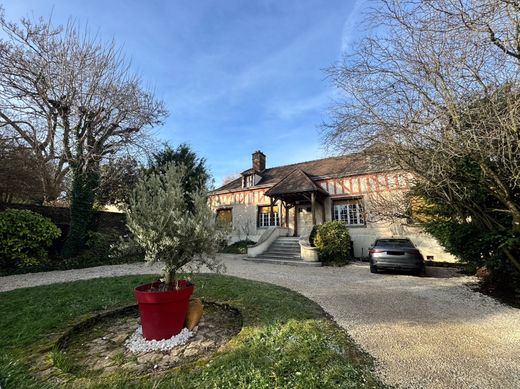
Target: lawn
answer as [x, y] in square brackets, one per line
[286, 341]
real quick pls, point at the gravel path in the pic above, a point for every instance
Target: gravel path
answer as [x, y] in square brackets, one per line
[431, 332]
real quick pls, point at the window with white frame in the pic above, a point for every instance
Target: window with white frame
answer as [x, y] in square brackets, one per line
[266, 218]
[248, 181]
[350, 211]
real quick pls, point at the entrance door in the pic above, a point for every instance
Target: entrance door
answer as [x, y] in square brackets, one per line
[304, 226]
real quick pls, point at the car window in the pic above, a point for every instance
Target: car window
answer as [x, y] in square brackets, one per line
[397, 243]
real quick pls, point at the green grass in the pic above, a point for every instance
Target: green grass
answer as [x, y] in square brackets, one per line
[59, 359]
[286, 341]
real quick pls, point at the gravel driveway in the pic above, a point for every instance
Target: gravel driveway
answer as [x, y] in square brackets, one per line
[431, 332]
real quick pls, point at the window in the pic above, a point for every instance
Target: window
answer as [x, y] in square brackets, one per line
[225, 215]
[350, 211]
[394, 243]
[266, 219]
[248, 181]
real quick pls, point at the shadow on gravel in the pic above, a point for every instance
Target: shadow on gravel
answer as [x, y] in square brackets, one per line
[444, 272]
[431, 271]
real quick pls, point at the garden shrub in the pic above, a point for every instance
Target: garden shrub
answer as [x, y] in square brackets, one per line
[333, 242]
[476, 246]
[106, 247]
[98, 243]
[239, 247]
[25, 238]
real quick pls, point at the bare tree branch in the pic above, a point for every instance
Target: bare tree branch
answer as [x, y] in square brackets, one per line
[70, 97]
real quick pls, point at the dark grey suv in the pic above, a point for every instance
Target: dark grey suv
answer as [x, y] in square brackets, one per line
[395, 254]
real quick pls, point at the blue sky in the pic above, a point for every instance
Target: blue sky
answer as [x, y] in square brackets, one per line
[236, 76]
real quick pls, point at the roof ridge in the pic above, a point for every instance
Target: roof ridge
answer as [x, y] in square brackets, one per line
[358, 162]
[315, 160]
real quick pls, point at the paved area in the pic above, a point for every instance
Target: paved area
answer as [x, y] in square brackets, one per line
[431, 332]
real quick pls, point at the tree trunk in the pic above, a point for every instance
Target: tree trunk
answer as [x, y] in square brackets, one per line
[169, 280]
[84, 185]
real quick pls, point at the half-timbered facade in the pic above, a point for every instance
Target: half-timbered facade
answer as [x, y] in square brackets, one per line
[301, 195]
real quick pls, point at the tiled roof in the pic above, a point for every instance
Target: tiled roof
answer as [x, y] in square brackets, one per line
[343, 166]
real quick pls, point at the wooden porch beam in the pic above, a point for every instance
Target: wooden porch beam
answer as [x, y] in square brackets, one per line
[313, 208]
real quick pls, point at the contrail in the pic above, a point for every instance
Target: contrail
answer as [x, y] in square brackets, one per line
[349, 25]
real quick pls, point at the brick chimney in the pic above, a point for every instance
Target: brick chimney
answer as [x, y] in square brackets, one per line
[259, 161]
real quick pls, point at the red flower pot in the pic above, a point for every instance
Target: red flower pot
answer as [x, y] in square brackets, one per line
[163, 313]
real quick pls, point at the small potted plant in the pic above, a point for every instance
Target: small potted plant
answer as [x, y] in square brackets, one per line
[179, 230]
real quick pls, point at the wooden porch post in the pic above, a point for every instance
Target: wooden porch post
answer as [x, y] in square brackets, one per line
[286, 215]
[295, 220]
[271, 220]
[313, 207]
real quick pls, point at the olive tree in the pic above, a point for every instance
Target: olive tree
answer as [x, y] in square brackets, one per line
[73, 101]
[168, 228]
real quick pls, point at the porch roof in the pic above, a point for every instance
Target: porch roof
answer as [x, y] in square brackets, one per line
[293, 184]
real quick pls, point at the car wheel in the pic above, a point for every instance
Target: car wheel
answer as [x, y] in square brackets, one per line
[373, 269]
[421, 272]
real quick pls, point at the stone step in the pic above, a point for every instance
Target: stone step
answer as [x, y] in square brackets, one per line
[276, 244]
[281, 253]
[277, 247]
[288, 244]
[278, 261]
[284, 249]
[281, 256]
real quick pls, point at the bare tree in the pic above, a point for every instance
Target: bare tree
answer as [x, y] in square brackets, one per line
[393, 207]
[437, 82]
[229, 178]
[71, 99]
[244, 227]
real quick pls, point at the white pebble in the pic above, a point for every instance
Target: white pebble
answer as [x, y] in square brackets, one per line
[137, 343]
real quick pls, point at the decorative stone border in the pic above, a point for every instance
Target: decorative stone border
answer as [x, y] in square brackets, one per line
[95, 346]
[90, 322]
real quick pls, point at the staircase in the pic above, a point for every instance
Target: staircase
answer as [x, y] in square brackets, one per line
[283, 248]
[283, 251]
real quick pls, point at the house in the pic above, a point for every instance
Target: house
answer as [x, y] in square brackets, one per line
[299, 196]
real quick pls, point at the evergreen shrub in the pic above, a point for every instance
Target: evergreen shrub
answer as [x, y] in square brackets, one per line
[25, 238]
[333, 242]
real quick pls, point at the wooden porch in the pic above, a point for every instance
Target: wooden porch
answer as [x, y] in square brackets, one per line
[295, 189]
